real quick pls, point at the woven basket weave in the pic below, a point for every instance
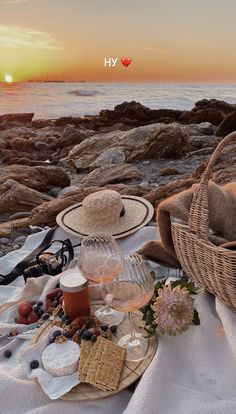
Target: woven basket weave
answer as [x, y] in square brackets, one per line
[212, 266]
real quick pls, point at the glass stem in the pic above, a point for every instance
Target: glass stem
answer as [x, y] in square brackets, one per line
[131, 326]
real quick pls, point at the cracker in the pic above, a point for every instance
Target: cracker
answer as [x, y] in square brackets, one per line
[85, 349]
[106, 366]
[93, 359]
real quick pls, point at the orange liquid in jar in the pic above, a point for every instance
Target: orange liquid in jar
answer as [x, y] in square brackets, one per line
[75, 294]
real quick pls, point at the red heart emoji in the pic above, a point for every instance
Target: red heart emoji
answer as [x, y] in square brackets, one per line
[126, 61]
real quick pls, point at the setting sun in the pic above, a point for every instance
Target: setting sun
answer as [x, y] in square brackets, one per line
[8, 78]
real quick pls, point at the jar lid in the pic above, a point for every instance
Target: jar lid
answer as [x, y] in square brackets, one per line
[72, 281]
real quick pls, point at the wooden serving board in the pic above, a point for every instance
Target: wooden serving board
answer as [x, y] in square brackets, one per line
[131, 371]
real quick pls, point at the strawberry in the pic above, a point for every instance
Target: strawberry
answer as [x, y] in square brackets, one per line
[95, 331]
[33, 317]
[21, 319]
[24, 308]
[48, 303]
[53, 293]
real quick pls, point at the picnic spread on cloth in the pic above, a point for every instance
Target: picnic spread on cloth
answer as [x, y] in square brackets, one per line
[190, 373]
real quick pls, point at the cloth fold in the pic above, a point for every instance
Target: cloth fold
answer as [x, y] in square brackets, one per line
[222, 220]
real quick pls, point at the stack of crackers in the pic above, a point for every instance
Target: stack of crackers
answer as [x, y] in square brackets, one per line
[101, 363]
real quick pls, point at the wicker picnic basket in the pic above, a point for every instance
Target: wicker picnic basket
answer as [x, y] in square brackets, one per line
[211, 266]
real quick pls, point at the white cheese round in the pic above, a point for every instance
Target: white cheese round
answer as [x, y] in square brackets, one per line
[61, 358]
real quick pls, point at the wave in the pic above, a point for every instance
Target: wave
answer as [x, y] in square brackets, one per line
[78, 92]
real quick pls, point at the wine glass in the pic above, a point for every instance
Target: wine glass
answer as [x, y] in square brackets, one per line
[99, 261]
[128, 291]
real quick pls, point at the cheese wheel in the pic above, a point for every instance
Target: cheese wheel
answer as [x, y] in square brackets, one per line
[61, 358]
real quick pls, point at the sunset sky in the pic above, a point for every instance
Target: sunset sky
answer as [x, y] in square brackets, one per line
[168, 40]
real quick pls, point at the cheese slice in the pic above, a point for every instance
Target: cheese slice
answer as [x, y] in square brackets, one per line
[61, 358]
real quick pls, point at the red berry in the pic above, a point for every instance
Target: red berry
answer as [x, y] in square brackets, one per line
[24, 308]
[33, 317]
[21, 319]
[53, 293]
[95, 331]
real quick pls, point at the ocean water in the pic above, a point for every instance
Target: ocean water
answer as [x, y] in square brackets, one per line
[53, 100]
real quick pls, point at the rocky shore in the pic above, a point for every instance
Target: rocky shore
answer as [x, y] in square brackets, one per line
[47, 165]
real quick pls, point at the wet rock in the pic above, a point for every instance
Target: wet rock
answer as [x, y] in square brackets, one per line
[227, 126]
[111, 174]
[151, 141]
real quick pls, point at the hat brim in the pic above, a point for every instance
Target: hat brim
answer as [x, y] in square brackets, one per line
[138, 213]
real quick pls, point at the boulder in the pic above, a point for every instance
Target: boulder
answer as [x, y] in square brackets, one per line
[22, 118]
[213, 116]
[134, 111]
[151, 141]
[109, 174]
[227, 126]
[222, 106]
[225, 169]
[14, 197]
[39, 178]
[71, 136]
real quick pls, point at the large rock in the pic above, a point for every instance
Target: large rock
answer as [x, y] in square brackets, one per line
[222, 106]
[213, 116]
[225, 169]
[39, 178]
[204, 128]
[227, 126]
[151, 141]
[134, 111]
[110, 156]
[16, 197]
[203, 141]
[109, 174]
[22, 118]
[70, 136]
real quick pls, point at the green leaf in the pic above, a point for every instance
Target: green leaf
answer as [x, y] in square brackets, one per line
[196, 320]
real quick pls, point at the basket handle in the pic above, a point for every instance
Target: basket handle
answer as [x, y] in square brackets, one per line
[198, 215]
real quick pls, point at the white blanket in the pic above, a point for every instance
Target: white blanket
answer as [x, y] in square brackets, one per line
[190, 374]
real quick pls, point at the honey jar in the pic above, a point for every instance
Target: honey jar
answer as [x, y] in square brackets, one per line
[75, 294]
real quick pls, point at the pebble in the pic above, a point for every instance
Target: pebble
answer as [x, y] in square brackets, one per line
[4, 240]
[54, 191]
[15, 246]
[20, 239]
[20, 214]
[67, 190]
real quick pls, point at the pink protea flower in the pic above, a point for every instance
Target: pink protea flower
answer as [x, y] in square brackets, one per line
[173, 310]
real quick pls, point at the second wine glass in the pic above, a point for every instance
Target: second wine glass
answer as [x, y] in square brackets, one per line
[99, 261]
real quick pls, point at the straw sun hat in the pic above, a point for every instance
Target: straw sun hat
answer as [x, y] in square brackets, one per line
[106, 211]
